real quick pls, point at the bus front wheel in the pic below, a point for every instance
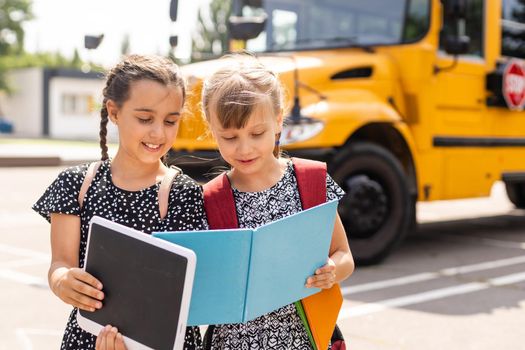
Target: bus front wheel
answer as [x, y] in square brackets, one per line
[377, 209]
[516, 193]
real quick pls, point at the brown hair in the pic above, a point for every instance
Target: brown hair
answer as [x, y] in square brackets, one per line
[233, 92]
[131, 69]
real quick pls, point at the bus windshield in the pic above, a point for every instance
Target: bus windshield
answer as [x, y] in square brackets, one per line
[317, 24]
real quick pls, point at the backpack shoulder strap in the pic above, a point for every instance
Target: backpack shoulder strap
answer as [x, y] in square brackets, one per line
[90, 175]
[311, 181]
[219, 203]
[164, 190]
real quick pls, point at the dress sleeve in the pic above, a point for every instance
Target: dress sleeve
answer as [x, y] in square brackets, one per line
[62, 195]
[187, 205]
[333, 191]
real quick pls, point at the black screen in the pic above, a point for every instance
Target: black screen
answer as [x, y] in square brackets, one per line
[142, 283]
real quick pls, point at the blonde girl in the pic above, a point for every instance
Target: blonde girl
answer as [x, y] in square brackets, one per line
[242, 103]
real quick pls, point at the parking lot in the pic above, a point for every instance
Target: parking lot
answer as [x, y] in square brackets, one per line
[457, 283]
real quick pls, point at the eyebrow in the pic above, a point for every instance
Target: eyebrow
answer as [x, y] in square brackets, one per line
[153, 111]
[252, 127]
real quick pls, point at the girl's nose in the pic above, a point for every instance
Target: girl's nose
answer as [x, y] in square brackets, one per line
[244, 147]
[155, 130]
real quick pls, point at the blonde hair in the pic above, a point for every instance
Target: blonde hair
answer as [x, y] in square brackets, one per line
[233, 92]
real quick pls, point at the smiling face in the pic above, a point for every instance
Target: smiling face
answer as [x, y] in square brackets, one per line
[147, 121]
[249, 149]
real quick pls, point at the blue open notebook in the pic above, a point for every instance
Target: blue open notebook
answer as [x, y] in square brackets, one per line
[242, 274]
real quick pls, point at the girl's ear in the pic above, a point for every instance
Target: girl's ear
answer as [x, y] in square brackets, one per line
[280, 122]
[112, 109]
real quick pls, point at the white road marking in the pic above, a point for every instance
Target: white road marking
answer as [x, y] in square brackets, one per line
[23, 335]
[23, 278]
[30, 258]
[508, 279]
[419, 277]
[412, 299]
[425, 276]
[4, 248]
[483, 240]
[24, 339]
[21, 263]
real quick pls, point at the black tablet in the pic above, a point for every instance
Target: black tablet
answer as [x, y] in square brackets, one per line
[147, 284]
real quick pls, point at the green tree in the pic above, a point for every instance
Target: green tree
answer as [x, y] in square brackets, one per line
[211, 35]
[13, 14]
[125, 45]
[76, 61]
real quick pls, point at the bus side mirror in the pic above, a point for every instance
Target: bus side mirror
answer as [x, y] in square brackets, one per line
[174, 6]
[246, 28]
[456, 44]
[91, 42]
[174, 40]
[455, 9]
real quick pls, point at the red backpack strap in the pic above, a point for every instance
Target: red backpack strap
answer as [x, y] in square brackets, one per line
[311, 181]
[219, 203]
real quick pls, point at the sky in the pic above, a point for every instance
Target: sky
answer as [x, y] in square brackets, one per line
[60, 25]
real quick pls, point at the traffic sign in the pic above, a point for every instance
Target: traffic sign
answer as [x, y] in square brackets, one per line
[514, 85]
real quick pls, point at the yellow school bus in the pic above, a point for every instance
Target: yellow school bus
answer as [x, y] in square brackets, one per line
[406, 100]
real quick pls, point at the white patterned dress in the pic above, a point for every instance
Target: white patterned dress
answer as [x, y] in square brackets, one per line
[281, 329]
[135, 209]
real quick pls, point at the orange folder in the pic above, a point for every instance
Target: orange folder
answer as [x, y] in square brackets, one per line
[321, 310]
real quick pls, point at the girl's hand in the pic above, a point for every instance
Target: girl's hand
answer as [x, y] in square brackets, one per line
[110, 339]
[79, 288]
[324, 277]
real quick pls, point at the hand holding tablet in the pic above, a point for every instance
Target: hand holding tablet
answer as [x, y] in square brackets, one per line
[110, 338]
[147, 286]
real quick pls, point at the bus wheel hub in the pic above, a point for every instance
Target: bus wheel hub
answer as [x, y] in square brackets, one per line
[364, 207]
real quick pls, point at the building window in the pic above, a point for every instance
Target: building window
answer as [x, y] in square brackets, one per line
[77, 104]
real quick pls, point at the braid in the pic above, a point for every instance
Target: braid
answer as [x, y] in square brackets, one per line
[103, 131]
[104, 116]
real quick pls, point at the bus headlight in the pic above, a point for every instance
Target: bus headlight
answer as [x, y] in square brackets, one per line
[300, 130]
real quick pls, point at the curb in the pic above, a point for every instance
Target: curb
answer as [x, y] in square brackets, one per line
[39, 161]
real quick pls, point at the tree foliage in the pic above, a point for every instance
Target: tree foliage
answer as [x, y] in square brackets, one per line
[211, 35]
[13, 14]
[125, 46]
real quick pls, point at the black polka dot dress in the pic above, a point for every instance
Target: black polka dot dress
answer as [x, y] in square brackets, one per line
[280, 329]
[135, 209]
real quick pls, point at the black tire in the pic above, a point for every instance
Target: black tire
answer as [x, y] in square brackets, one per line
[516, 193]
[377, 210]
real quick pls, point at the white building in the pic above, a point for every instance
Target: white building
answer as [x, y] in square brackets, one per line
[55, 103]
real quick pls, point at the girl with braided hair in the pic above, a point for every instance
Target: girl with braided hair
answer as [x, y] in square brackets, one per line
[143, 97]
